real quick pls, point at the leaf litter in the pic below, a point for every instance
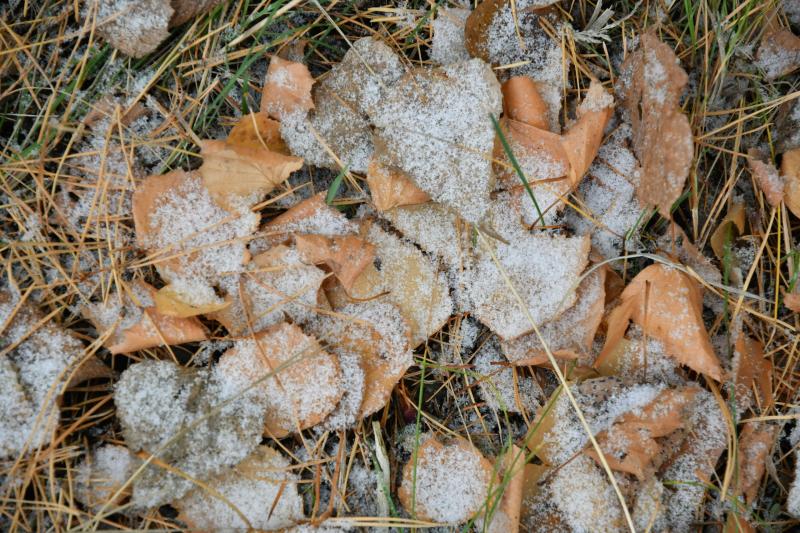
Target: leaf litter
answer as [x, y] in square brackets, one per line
[474, 232]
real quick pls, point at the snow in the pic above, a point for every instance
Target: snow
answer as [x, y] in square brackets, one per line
[434, 125]
[448, 36]
[102, 473]
[262, 488]
[499, 387]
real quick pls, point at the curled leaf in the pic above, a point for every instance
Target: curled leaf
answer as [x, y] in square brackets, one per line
[733, 223]
[182, 301]
[391, 188]
[523, 103]
[668, 305]
[630, 446]
[753, 374]
[346, 256]
[287, 88]
[138, 324]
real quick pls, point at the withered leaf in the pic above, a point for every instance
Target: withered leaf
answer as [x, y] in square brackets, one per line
[172, 301]
[753, 374]
[287, 88]
[767, 178]
[346, 256]
[790, 172]
[442, 475]
[629, 445]
[508, 510]
[300, 381]
[257, 131]
[734, 223]
[667, 305]
[650, 87]
[779, 53]
[391, 188]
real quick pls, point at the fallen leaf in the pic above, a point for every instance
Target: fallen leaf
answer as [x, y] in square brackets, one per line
[753, 375]
[337, 133]
[582, 140]
[190, 235]
[734, 223]
[650, 88]
[312, 216]
[434, 125]
[102, 474]
[174, 300]
[259, 493]
[391, 188]
[287, 88]
[277, 284]
[570, 334]
[188, 9]
[755, 444]
[447, 42]
[778, 54]
[406, 278]
[346, 256]
[767, 178]
[300, 383]
[790, 171]
[668, 305]
[522, 102]
[138, 324]
[257, 131]
[378, 335]
[240, 173]
[792, 301]
[629, 445]
[543, 269]
[445, 483]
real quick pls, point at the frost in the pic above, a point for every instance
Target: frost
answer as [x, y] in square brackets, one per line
[448, 36]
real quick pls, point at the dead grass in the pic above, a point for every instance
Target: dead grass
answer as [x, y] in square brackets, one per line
[55, 71]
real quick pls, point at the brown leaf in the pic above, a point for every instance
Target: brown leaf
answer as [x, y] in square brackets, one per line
[582, 140]
[171, 301]
[257, 131]
[152, 329]
[568, 335]
[753, 372]
[277, 284]
[673, 315]
[287, 88]
[378, 335]
[508, 510]
[733, 223]
[392, 188]
[629, 445]
[262, 489]
[779, 53]
[767, 178]
[427, 482]
[522, 101]
[303, 386]
[792, 301]
[755, 444]
[188, 9]
[650, 88]
[240, 171]
[346, 256]
[790, 171]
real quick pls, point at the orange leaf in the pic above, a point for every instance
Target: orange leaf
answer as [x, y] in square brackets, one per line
[257, 131]
[582, 141]
[287, 88]
[347, 256]
[242, 171]
[734, 220]
[790, 171]
[767, 178]
[172, 301]
[523, 103]
[668, 305]
[753, 371]
[755, 444]
[392, 188]
[151, 330]
[629, 445]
